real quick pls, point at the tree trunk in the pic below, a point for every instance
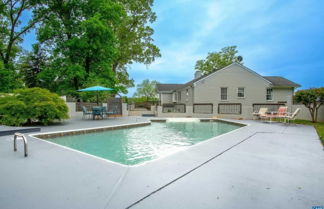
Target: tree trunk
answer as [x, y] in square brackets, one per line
[311, 111]
[114, 67]
[315, 114]
[76, 83]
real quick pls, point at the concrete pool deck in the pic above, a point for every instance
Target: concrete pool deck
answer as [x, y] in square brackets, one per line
[257, 166]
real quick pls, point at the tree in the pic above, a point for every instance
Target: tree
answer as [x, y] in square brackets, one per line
[31, 64]
[217, 60]
[134, 37]
[312, 98]
[93, 41]
[11, 28]
[80, 38]
[8, 79]
[146, 89]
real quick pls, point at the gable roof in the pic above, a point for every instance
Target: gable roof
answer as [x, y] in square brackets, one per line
[276, 81]
[279, 81]
[168, 87]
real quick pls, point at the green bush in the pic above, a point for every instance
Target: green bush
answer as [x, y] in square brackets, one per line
[26, 106]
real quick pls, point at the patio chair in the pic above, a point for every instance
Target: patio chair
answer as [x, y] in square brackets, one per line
[291, 117]
[85, 112]
[262, 111]
[107, 113]
[280, 114]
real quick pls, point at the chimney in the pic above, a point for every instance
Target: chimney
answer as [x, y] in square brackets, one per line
[198, 74]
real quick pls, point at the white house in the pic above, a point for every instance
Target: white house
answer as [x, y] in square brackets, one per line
[234, 91]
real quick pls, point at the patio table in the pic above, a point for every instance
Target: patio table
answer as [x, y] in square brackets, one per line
[97, 111]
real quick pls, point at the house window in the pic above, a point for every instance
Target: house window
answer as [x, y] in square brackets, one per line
[224, 93]
[269, 94]
[240, 92]
[179, 96]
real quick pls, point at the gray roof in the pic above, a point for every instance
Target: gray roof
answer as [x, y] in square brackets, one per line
[279, 81]
[168, 87]
[193, 81]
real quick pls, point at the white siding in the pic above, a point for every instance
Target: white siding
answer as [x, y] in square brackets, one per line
[208, 90]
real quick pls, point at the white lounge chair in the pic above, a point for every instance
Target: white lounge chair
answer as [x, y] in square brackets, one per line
[262, 111]
[292, 116]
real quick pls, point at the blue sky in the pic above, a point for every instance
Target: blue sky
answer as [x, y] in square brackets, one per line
[275, 37]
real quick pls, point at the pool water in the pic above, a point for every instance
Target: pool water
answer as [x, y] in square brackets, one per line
[139, 144]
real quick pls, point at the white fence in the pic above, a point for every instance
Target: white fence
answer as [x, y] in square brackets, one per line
[305, 115]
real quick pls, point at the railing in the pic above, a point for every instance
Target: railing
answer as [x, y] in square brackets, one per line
[175, 108]
[230, 108]
[19, 135]
[203, 108]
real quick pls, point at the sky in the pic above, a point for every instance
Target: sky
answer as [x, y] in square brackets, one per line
[274, 37]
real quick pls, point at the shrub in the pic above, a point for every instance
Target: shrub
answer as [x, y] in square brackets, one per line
[31, 105]
[12, 111]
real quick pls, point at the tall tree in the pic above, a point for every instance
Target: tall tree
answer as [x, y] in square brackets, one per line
[80, 39]
[146, 89]
[12, 29]
[31, 64]
[134, 38]
[313, 99]
[217, 60]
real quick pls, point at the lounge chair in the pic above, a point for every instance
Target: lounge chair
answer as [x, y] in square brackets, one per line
[262, 111]
[291, 116]
[280, 114]
[86, 113]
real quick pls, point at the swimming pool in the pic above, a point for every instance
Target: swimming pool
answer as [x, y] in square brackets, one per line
[131, 146]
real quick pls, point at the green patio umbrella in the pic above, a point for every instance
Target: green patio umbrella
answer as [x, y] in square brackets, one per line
[97, 89]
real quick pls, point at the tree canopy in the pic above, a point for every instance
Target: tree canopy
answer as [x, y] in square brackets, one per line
[146, 89]
[217, 60]
[12, 31]
[79, 43]
[79, 37]
[312, 98]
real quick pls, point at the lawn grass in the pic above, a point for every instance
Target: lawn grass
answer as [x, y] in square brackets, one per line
[319, 126]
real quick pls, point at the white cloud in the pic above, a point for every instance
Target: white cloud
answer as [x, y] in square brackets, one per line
[187, 30]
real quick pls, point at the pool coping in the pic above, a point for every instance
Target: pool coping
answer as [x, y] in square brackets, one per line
[56, 134]
[43, 136]
[13, 130]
